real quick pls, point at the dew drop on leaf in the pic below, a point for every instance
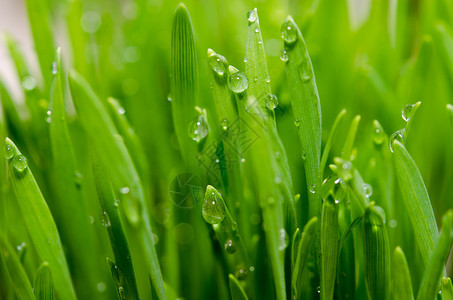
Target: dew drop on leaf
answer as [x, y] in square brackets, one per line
[367, 190]
[19, 163]
[271, 101]
[408, 112]
[224, 124]
[313, 188]
[252, 16]
[230, 246]
[10, 151]
[29, 83]
[105, 219]
[283, 239]
[218, 63]
[213, 209]
[378, 133]
[238, 82]
[284, 55]
[198, 129]
[54, 68]
[398, 135]
[289, 33]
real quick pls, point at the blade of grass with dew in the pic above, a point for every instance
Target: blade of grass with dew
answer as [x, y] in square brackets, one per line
[43, 283]
[376, 255]
[402, 284]
[416, 200]
[39, 221]
[306, 107]
[447, 289]
[122, 269]
[41, 29]
[329, 247]
[438, 258]
[21, 283]
[237, 292]
[303, 250]
[69, 209]
[259, 87]
[184, 85]
[102, 132]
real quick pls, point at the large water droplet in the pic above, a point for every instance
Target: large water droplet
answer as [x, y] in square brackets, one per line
[367, 190]
[398, 135]
[10, 151]
[29, 83]
[19, 163]
[230, 246]
[409, 110]
[283, 239]
[224, 124]
[378, 133]
[198, 129]
[284, 55]
[289, 32]
[271, 101]
[218, 64]
[238, 82]
[213, 209]
[252, 16]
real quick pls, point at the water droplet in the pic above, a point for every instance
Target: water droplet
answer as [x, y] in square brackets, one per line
[169, 98]
[101, 287]
[116, 202]
[29, 83]
[90, 21]
[268, 79]
[21, 246]
[91, 218]
[105, 219]
[398, 135]
[230, 247]
[10, 151]
[367, 190]
[19, 163]
[245, 59]
[121, 110]
[224, 124]
[213, 209]
[54, 68]
[125, 190]
[241, 272]
[289, 32]
[78, 179]
[318, 289]
[198, 129]
[313, 188]
[242, 160]
[271, 101]
[393, 223]
[238, 82]
[283, 239]
[49, 116]
[378, 133]
[219, 64]
[408, 111]
[303, 155]
[305, 71]
[257, 30]
[284, 55]
[297, 122]
[252, 16]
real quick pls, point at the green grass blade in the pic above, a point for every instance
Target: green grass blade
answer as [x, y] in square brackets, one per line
[122, 270]
[306, 107]
[329, 247]
[237, 292]
[376, 255]
[332, 134]
[106, 140]
[303, 250]
[16, 271]
[184, 83]
[402, 284]
[416, 200]
[349, 143]
[39, 221]
[436, 266]
[43, 283]
[447, 289]
[69, 209]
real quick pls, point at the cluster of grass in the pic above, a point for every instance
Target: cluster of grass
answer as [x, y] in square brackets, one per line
[144, 164]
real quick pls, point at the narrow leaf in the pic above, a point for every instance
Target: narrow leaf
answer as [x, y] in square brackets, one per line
[237, 292]
[402, 284]
[43, 283]
[329, 247]
[447, 289]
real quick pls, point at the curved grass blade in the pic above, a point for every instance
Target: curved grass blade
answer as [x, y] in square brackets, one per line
[402, 284]
[447, 289]
[328, 146]
[329, 247]
[376, 255]
[303, 250]
[306, 107]
[39, 221]
[122, 269]
[184, 83]
[349, 143]
[433, 273]
[16, 271]
[416, 200]
[106, 140]
[70, 211]
[43, 283]
[237, 292]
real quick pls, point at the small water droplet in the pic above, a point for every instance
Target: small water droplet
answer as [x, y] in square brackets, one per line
[257, 30]
[238, 82]
[245, 59]
[224, 124]
[284, 55]
[303, 155]
[297, 122]
[198, 129]
[49, 116]
[21, 246]
[29, 83]
[121, 110]
[213, 209]
[318, 289]
[125, 190]
[283, 239]
[289, 32]
[91, 218]
[313, 188]
[378, 133]
[116, 202]
[305, 71]
[268, 79]
[367, 190]
[169, 97]
[408, 111]
[242, 160]
[54, 68]
[19, 163]
[398, 135]
[241, 272]
[230, 246]
[105, 219]
[252, 16]
[219, 64]
[217, 161]
[10, 151]
[271, 101]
